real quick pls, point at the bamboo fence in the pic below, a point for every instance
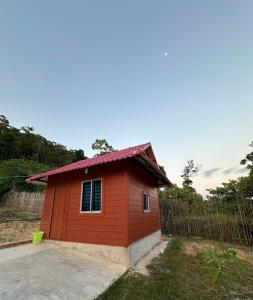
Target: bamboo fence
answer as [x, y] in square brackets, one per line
[24, 201]
[223, 222]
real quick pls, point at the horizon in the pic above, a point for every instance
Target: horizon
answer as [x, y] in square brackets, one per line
[178, 75]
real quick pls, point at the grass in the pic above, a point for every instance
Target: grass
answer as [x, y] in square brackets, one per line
[177, 274]
[11, 214]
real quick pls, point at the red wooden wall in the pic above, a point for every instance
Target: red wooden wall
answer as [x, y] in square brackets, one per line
[122, 219]
[108, 227]
[140, 223]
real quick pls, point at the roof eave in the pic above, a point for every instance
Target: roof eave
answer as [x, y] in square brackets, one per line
[162, 180]
[39, 181]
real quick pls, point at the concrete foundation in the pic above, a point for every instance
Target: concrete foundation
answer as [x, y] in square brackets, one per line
[141, 247]
[115, 254]
[120, 255]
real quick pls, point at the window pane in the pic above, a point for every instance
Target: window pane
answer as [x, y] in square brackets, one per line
[96, 195]
[146, 201]
[86, 196]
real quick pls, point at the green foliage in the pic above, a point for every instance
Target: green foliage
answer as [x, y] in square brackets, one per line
[236, 195]
[191, 169]
[248, 160]
[14, 172]
[224, 261]
[177, 276]
[102, 147]
[233, 190]
[24, 144]
[185, 194]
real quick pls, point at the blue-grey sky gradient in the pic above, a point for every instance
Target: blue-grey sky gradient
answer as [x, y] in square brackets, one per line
[81, 70]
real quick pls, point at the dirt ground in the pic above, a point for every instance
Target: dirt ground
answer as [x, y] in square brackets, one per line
[192, 248]
[17, 225]
[17, 231]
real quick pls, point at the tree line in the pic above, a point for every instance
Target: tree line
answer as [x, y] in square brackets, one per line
[226, 214]
[23, 143]
[24, 153]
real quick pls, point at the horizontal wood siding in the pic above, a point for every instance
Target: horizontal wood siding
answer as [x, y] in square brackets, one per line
[140, 223]
[108, 227]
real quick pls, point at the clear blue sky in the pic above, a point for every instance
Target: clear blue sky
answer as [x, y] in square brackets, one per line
[81, 70]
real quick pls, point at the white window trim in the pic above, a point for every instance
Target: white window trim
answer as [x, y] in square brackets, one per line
[81, 198]
[146, 210]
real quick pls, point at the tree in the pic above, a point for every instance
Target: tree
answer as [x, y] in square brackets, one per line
[191, 169]
[227, 192]
[102, 146]
[178, 202]
[25, 144]
[234, 190]
[4, 123]
[236, 194]
[248, 160]
[79, 155]
[185, 194]
[14, 172]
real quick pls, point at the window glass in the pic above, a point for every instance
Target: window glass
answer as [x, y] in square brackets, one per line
[146, 201]
[91, 197]
[86, 196]
[96, 195]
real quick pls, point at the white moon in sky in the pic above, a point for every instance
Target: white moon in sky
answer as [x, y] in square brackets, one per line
[165, 53]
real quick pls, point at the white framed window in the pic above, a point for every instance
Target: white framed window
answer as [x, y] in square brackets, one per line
[91, 196]
[146, 201]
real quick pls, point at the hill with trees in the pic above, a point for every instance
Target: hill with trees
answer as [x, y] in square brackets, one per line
[24, 152]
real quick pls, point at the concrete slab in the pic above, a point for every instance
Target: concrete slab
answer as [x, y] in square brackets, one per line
[141, 265]
[47, 271]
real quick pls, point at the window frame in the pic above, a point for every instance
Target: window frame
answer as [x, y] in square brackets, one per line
[81, 198]
[146, 210]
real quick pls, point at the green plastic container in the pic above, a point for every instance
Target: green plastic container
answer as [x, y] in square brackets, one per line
[37, 237]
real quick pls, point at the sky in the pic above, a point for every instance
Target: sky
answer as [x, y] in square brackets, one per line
[178, 74]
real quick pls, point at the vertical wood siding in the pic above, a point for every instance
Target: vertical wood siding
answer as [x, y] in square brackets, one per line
[108, 227]
[141, 224]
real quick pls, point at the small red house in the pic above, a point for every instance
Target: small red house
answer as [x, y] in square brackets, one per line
[107, 205]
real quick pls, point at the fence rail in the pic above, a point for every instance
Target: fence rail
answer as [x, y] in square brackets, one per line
[208, 221]
[30, 202]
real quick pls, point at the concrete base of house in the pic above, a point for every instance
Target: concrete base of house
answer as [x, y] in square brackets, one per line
[116, 254]
[138, 249]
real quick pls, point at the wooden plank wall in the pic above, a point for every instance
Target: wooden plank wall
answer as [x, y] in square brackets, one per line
[140, 223]
[108, 227]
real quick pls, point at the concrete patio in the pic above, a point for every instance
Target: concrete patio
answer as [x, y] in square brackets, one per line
[47, 271]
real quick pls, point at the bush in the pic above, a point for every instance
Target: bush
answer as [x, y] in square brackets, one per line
[226, 266]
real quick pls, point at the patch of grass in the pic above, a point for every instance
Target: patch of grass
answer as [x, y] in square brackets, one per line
[176, 275]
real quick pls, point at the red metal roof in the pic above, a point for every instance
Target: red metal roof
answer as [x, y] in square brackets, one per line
[98, 160]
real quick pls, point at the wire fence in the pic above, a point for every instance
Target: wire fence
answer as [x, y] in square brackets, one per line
[225, 222]
[24, 201]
